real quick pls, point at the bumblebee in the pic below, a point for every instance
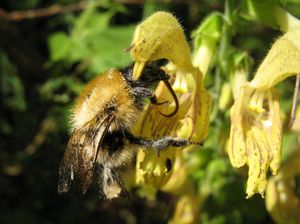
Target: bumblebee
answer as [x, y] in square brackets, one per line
[101, 142]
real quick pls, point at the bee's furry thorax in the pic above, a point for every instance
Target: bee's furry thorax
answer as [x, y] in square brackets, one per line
[108, 93]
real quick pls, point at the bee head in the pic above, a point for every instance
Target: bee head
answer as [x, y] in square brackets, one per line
[152, 73]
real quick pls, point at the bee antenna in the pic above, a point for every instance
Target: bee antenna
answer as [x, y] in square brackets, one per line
[175, 100]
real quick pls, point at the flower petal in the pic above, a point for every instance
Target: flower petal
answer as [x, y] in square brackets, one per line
[236, 145]
[161, 36]
[282, 61]
[255, 136]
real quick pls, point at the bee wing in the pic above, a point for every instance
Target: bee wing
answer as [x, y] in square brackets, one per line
[81, 154]
[69, 164]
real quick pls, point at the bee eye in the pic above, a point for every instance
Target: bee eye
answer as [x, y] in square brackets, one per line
[168, 164]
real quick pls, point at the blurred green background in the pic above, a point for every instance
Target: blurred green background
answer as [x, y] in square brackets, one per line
[47, 56]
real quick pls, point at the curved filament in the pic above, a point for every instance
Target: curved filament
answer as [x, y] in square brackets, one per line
[174, 97]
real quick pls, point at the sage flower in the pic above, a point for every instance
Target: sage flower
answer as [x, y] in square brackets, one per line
[256, 127]
[161, 36]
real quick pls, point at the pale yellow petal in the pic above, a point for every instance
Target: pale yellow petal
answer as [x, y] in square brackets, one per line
[258, 161]
[274, 130]
[255, 136]
[225, 97]
[152, 169]
[282, 201]
[236, 144]
[200, 110]
[282, 61]
[137, 69]
[161, 36]
[186, 210]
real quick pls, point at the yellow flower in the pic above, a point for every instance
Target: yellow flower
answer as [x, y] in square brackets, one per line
[256, 129]
[153, 40]
[185, 212]
[255, 136]
[153, 169]
[282, 202]
[161, 36]
[281, 62]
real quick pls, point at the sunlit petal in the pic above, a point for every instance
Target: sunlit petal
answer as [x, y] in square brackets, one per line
[282, 61]
[255, 137]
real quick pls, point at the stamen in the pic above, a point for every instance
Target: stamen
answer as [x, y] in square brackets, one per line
[256, 102]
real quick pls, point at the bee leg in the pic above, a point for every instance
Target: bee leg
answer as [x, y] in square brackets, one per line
[165, 142]
[161, 143]
[142, 92]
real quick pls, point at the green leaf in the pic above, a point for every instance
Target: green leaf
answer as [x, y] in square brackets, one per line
[79, 50]
[12, 89]
[263, 11]
[92, 21]
[59, 89]
[59, 46]
[211, 27]
[206, 38]
[106, 49]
